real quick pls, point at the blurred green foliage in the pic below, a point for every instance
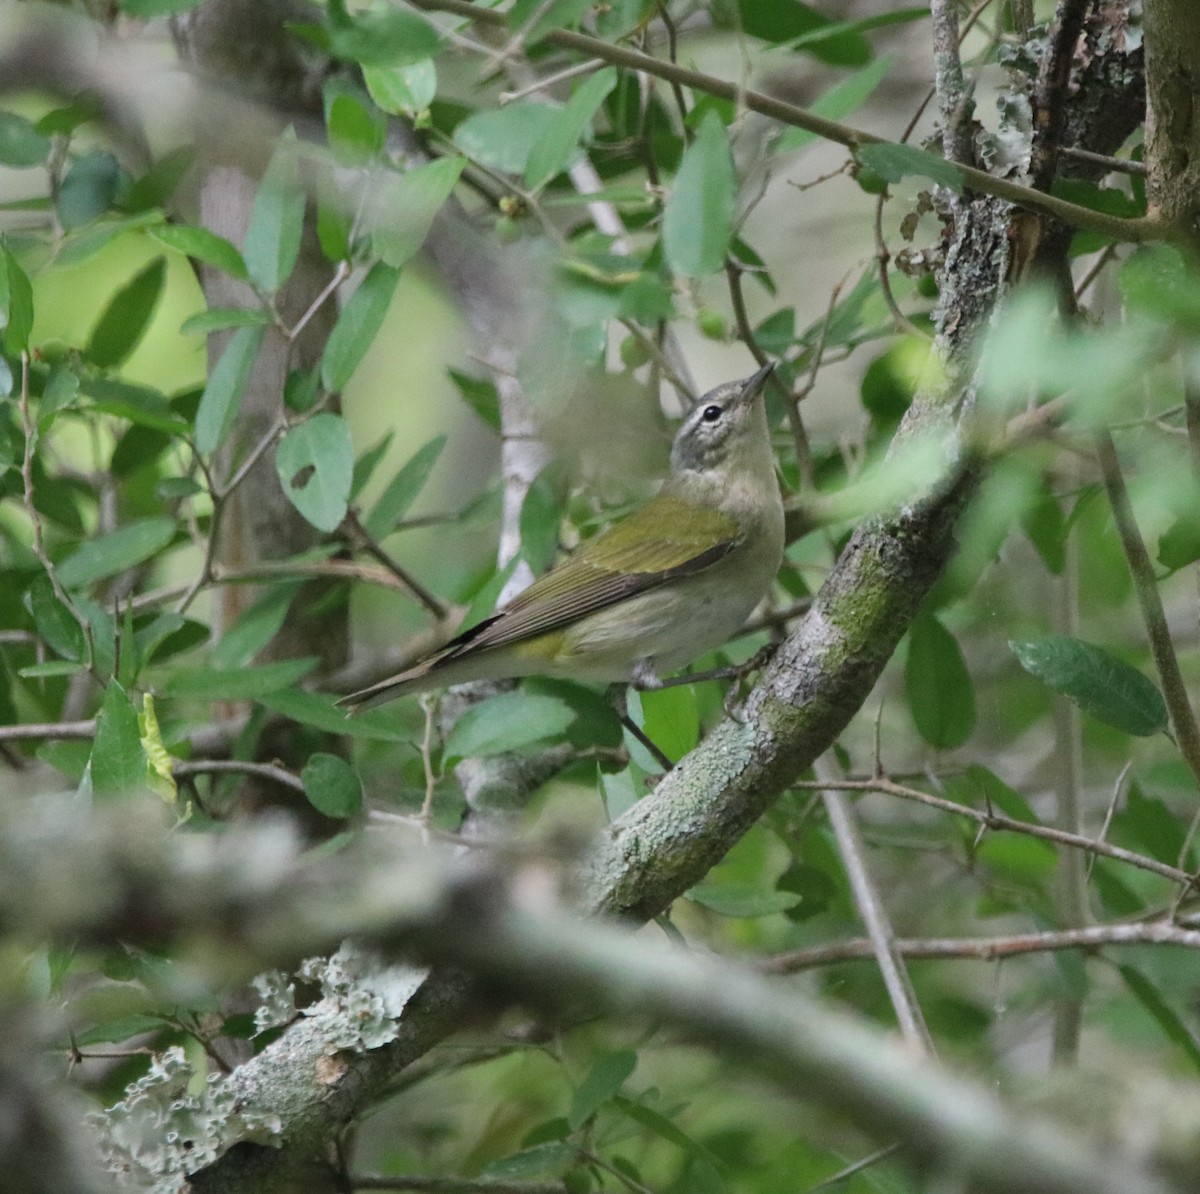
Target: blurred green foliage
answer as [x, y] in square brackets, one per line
[111, 431]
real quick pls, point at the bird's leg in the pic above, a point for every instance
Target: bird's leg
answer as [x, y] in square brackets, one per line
[618, 698]
[644, 676]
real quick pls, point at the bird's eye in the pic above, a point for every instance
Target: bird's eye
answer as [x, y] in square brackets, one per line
[712, 414]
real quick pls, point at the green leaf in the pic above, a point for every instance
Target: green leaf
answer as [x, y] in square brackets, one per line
[618, 792]
[1173, 1028]
[237, 684]
[223, 392]
[127, 316]
[504, 138]
[255, 627]
[110, 554]
[88, 189]
[542, 1162]
[118, 763]
[1098, 682]
[541, 513]
[1149, 822]
[1026, 861]
[383, 38]
[661, 1126]
[838, 102]
[169, 634]
[139, 404]
[403, 489]
[741, 901]
[553, 152]
[979, 781]
[506, 723]
[357, 325]
[940, 694]
[315, 463]
[16, 304]
[603, 1081]
[698, 218]
[368, 462]
[357, 128]
[20, 143]
[533, 19]
[276, 222]
[201, 245]
[404, 207]
[56, 625]
[480, 395]
[671, 720]
[1157, 280]
[61, 390]
[332, 787]
[318, 710]
[153, 190]
[402, 90]
[146, 9]
[892, 162]
[219, 319]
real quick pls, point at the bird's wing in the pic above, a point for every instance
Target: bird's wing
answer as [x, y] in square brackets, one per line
[662, 541]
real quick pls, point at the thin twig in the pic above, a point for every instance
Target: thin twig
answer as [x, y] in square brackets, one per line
[272, 771]
[50, 731]
[875, 918]
[429, 707]
[548, 81]
[880, 1154]
[1118, 794]
[1130, 229]
[990, 819]
[803, 447]
[1118, 165]
[1179, 706]
[339, 276]
[987, 949]
[1050, 91]
[364, 541]
[954, 101]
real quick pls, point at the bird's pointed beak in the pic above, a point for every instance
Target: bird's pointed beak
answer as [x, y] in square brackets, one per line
[753, 386]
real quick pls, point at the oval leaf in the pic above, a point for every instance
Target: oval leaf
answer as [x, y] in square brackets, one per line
[237, 684]
[315, 462]
[357, 325]
[940, 694]
[553, 152]
[403, 489]
[698, 219]
[201, 245]
[504, 138]
[404, 206]
[118, 763]
[331, 786]
[1099, 683]
[20, 143]
[892, 162]
[507, 722]
[112, 553]
[603, 1081]
[126, 317]
[276, 220]
[225, 387]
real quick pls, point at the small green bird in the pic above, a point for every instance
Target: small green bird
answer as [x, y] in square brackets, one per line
[671, 581]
